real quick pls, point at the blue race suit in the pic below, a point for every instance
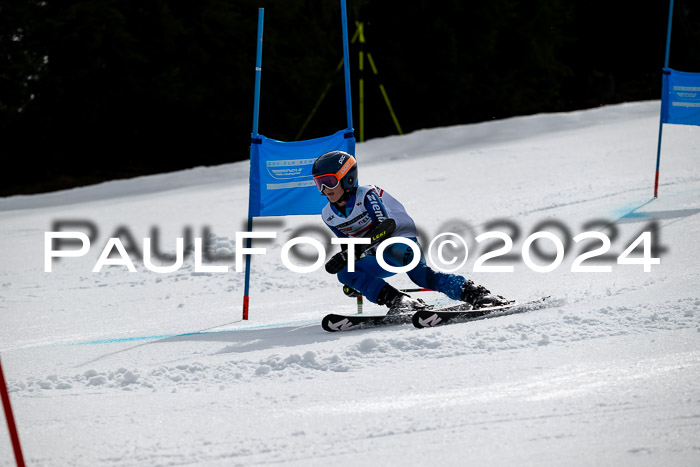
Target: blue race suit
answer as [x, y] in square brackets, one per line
[366, 208]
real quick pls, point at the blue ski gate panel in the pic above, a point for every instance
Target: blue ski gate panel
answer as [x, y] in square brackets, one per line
[680, 102]
[281, 183]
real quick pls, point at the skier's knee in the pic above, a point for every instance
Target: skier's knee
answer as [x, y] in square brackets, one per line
[343, 276]
[398, 255]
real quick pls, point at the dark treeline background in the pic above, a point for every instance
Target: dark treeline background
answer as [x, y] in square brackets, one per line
[101, 89]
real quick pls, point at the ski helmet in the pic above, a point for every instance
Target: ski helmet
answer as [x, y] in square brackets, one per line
[333, 168]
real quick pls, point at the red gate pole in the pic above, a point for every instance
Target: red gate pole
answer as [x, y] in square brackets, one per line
[14, 436]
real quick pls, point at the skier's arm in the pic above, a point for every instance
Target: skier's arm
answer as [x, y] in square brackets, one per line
[375, 207]
[383, 228]
[333, 266]
[380, 233]
[376, 235]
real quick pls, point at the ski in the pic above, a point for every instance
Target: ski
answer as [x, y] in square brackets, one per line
[423, 318]
[335, 323]
[458, 313]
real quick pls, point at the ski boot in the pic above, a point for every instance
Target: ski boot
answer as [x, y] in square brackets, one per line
[399, 302]
[479, 296]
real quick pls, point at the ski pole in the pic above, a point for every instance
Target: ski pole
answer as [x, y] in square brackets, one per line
[11, 425]
[350, 292]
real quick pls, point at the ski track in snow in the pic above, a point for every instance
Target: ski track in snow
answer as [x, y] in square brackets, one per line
[555, 324]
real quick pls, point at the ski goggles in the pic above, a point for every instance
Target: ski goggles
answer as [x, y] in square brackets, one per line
[331, 181]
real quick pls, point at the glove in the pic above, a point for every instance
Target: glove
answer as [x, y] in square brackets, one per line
[337, 262]
[377, 235]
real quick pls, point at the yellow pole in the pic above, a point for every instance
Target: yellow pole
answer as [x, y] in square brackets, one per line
[360, 30]
[386, 96]
[323, 94]
[358, 35]
[318, 104]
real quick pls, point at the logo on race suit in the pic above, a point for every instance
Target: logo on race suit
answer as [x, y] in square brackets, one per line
[376, 207]
[290, 169]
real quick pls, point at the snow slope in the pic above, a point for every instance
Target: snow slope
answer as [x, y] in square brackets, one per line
[141, 368]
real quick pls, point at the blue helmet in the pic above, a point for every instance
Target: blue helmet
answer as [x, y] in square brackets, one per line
[333, 168]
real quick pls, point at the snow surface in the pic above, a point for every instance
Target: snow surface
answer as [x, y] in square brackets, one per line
[142, 368]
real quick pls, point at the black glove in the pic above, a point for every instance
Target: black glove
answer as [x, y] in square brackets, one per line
[377, 235]
[337, 262]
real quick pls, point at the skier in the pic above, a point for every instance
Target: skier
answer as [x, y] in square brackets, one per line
[354, 211]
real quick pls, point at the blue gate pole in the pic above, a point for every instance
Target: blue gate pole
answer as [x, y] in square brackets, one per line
[256, 112]
[663, 96]
[258, 70]
[346, 59]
